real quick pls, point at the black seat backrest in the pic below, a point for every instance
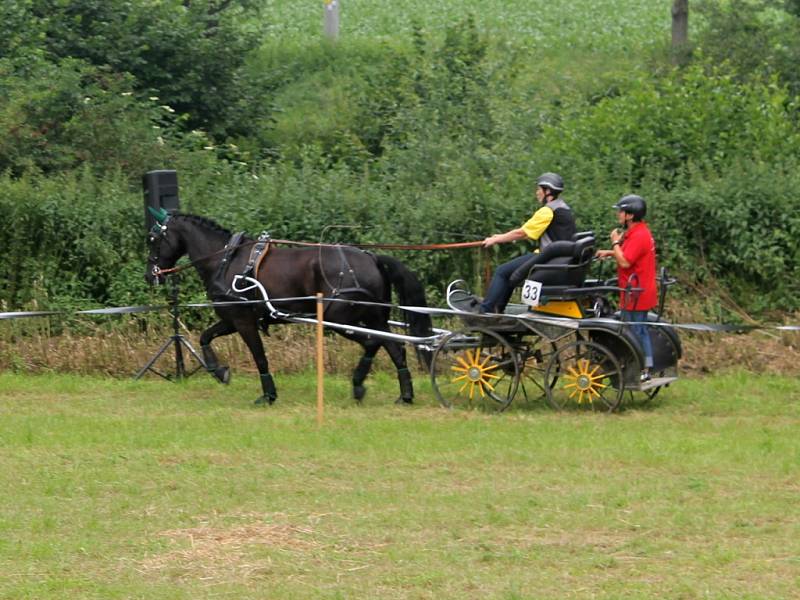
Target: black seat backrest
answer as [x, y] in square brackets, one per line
[582, 257]
[581, 235]
[553, 250]
[584, 249]
[574, 259]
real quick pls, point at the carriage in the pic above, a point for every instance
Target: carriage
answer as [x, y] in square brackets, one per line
[565, 342]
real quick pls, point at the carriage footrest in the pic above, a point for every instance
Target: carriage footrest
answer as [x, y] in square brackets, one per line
[655, 382]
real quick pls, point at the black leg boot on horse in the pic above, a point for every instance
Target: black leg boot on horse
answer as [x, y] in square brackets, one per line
[221, 374]
[406, 387]
[269, 393]
[249, 333]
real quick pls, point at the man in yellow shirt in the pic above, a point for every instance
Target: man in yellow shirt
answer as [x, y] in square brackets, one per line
[553, 221]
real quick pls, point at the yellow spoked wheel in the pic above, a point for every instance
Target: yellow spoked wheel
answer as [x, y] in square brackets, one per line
[584, 375]
[475, 369]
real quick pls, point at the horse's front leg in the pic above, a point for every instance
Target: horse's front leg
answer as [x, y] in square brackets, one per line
[361, 371]
[248, 329]
[220, 328]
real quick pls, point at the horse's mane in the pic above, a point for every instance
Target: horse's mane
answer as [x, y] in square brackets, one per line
[204, 222]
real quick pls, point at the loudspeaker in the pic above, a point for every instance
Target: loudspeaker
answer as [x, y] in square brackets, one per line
[160, 191]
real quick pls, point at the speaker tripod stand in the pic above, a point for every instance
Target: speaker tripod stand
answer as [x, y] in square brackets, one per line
[177, 340]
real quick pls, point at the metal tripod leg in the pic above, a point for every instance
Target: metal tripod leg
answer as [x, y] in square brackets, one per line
[180, 367]
[180, 343]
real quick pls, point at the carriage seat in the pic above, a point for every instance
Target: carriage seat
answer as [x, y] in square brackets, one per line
[560, 266]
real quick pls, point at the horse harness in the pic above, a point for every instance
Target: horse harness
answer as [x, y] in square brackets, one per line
[258, 252]
[344, 270]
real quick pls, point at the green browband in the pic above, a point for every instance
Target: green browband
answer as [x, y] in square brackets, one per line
[160, 215]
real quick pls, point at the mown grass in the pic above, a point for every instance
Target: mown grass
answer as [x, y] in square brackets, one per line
[120, 489]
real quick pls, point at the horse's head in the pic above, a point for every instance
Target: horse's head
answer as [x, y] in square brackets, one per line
[166, 246]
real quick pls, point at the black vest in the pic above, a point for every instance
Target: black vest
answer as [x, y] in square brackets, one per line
[562, 227]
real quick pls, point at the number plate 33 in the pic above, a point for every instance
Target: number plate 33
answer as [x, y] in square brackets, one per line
[531, 292]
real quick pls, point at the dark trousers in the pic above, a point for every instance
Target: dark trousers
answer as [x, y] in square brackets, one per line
[642, 332]
[501, 287]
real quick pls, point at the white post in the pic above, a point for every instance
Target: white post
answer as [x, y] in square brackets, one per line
[332, 19]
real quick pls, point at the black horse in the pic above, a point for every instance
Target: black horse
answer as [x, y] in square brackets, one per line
[340, 272]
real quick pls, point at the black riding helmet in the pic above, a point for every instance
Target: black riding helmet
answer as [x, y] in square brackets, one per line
[633, 205]
[552, 181]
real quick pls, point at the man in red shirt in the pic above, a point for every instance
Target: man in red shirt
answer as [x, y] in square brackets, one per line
[634, 250]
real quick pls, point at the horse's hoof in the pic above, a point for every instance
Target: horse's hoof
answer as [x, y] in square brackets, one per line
[265, 400]
[404, 401]
[222, 374]
[358, 393]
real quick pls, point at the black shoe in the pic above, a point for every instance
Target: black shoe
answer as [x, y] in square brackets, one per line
[645, 376]
[472, 306]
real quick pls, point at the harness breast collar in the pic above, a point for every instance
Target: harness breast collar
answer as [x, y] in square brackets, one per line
[257, 254]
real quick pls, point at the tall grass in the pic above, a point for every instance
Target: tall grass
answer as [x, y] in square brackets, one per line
[120, 349]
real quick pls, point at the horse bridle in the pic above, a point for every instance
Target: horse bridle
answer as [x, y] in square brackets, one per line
[156, 235]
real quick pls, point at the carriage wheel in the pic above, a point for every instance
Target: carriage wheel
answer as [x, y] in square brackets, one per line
[584, 375]
[534, 356]
[475, 369]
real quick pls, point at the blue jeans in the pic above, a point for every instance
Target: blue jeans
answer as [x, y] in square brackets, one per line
[500, 288]
[642, 332]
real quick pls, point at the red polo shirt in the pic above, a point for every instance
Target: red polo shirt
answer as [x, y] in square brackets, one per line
[639, 250]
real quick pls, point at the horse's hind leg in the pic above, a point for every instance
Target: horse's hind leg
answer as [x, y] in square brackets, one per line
[397, 352]
[220, 328]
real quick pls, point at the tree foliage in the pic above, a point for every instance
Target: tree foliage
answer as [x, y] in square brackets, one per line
[754, 37]
[186, 52]
[60, 116]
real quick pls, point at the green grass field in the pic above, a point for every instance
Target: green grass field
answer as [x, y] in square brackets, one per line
[121, 489]
[587, 24]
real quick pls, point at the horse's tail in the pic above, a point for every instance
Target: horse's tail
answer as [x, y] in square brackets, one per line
[410, 292]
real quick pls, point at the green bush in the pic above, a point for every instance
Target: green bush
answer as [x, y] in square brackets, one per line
[740, 227]
[757, 38]
[662, 125]
[434, 138]
[68, 240]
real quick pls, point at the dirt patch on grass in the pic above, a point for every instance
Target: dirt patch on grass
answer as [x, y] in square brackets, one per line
[220, 554]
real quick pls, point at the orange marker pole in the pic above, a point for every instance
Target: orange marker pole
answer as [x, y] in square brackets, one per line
[320, 361]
